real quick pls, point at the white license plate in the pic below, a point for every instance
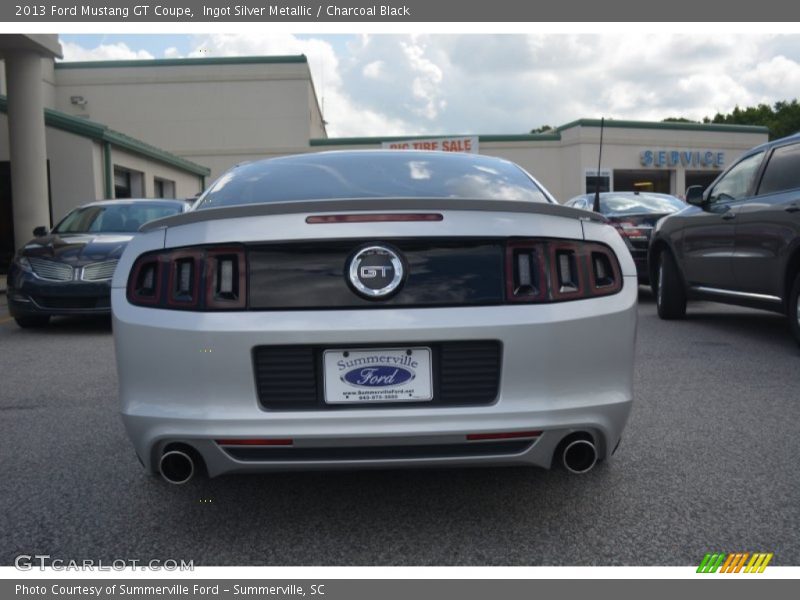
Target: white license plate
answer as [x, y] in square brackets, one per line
[377, 375]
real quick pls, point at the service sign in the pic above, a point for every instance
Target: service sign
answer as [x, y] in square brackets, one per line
[468, 143]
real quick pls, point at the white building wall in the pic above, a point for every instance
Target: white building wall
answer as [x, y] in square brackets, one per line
[215, 115]
[77, 169]
[75, 166]
[48, 83]
[186, 184]
[540, 159]
[315, 114]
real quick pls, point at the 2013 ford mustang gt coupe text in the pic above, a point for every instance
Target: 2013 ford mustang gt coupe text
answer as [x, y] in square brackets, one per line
[374, 309]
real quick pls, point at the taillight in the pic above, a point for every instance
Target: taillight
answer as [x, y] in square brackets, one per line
[184, 278]
[144, 283]
[558, 270]
[631, 231]
[226, 278]
[205, 278]
[525, 275]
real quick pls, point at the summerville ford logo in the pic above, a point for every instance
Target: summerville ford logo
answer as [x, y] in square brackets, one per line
[396, 370]
[378, 375]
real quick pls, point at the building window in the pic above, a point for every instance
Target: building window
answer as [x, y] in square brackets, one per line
[163, 188]
[592, 181]
[128, 183]
[643, 180]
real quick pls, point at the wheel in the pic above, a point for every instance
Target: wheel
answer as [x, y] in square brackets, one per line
[32, 322]
[794, 309]
[670, 295]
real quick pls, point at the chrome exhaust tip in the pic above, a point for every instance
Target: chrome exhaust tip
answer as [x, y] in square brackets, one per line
[176, 467]
[579, 456]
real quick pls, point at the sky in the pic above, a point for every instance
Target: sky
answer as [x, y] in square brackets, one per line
[437, 84]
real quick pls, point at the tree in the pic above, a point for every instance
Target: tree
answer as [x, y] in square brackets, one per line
[782, 119]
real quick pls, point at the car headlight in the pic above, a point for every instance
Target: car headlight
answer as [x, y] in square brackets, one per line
[23, 263]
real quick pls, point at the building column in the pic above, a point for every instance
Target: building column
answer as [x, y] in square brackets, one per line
[27, 145]
[680, 182]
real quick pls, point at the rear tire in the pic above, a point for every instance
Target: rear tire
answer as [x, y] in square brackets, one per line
[670, 295]
[34, 322]
[794, 309]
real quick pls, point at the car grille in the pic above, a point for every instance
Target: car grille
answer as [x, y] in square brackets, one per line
[99, 271]
[48, 269]
[332, 454]
[72, 303]
[464, 374]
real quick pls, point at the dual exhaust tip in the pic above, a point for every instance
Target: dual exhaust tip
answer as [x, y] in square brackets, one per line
[578, 456]
[177, 467]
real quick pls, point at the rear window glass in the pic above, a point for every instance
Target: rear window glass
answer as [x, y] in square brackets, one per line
[639, 204]
[372, 175]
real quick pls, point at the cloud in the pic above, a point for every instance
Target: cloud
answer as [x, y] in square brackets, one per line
[346, 116]
[117, 51]
[373, 70]
[434, 84]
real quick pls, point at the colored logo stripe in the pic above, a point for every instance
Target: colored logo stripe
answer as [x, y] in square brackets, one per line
[758, 563]
[710, 563]
[734, 562]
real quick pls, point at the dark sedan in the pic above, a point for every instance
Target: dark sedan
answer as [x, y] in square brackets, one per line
[740, 241]
[633, 215]
[68, 271]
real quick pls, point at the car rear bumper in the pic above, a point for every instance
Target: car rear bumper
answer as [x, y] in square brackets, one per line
[188, 378]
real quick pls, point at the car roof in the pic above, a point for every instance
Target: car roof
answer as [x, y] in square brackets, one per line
[795, 137]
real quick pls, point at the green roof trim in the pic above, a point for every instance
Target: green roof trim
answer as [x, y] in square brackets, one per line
[522, 137]
[359, 141]
[551, 136]
[671, 125]
[102, 133]
[183, 62]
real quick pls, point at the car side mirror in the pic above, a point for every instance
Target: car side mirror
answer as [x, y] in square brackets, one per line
[40, 231]
[694, 195]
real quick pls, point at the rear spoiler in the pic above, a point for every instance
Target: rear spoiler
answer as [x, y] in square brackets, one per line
[372, 204]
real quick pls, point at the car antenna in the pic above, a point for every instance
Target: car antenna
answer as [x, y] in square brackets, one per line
[596, 206]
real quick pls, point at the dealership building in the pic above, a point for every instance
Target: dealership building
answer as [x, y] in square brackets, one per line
[75, 132]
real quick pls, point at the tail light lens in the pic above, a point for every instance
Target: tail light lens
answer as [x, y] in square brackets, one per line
[144, 283]
[213, 278]
[557, 270]
[631, 231]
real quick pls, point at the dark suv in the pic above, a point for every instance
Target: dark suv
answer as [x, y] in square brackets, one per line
[739, 242]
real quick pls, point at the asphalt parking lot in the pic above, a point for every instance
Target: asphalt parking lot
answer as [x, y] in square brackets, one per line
[710, 462]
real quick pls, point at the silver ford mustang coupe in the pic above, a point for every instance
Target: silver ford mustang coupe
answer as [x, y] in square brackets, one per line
[366, 309]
